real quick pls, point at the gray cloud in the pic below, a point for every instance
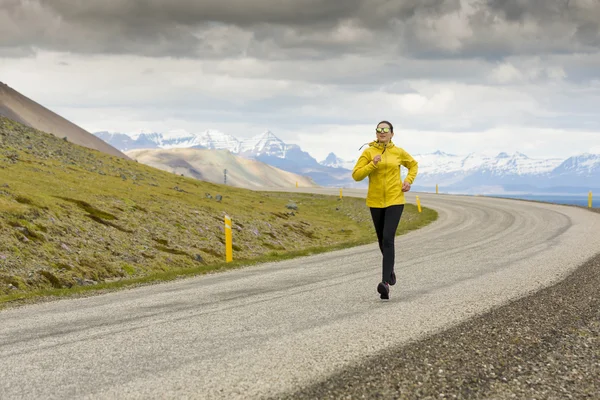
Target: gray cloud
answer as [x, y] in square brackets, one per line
[544, 10]
[301, 29]
[515, 59]
[190, 12]
[577, 20]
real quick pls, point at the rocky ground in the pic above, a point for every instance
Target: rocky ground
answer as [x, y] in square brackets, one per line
[544, 346]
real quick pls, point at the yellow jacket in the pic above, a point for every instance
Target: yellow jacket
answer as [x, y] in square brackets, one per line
[385, 180]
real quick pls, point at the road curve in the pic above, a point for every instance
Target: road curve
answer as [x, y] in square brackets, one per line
[273, 328]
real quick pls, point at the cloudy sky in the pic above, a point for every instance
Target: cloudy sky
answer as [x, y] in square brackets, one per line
[456, 75]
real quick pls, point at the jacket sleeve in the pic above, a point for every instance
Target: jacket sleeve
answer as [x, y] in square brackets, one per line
[364, 166]
[411, 164]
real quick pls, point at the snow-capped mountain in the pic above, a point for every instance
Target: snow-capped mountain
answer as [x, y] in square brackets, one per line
[176, 139]
[469, 173]
[119, 140]
[265, 147]
[149, 140]
[493, 173]
[179, 139]
[334, 161]
[504, 172]
[578, 170]
[213, 139]
[583, 164]
[264, 144]
[500, 164]
[440, 163]
[474, 169]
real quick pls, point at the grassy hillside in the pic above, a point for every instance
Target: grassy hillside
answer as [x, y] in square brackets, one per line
[72, 218]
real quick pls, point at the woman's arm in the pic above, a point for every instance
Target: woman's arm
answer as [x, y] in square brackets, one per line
[411, 164]
[364, 166]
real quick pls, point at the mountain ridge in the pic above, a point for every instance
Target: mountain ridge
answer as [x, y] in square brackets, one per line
[208, 165]
[265, 147]
[462, 173]
[20, 108]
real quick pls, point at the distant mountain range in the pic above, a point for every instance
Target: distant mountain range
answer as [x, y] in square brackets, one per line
[509, 173]
[471, 173]
[265, 147]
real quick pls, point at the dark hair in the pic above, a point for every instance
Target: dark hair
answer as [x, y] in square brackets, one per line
[387, 122]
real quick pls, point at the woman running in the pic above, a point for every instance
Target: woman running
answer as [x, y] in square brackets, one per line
[381, 162]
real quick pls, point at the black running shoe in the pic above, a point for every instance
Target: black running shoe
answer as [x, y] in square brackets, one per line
[384, 290]
[393, 279]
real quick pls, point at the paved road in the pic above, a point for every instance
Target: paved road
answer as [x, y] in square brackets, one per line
[268, 329]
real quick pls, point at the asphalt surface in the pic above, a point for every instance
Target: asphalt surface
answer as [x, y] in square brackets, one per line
[277, 328]
[542, 346]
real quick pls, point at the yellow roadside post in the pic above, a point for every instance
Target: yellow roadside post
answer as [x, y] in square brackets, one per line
[228, 241]
[436, 188]
[418, 204]
[340, 193]
[590, 199]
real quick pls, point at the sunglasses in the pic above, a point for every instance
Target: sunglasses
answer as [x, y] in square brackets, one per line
[384, 130]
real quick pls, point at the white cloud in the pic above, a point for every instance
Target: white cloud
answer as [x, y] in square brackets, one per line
[533, 142]
[412, 103]
[447, 32]
[328, 105]
[557, 73]
[521, 70]
[506, 73]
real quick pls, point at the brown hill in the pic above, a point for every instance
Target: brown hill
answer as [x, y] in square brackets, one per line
[208, 165]
[15, 106]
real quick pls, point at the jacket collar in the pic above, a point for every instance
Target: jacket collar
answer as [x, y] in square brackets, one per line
[380, 146]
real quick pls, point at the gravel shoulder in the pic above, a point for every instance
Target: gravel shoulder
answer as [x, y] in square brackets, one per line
[544, 346]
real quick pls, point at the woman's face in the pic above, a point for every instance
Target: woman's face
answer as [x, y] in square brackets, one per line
[384, 133]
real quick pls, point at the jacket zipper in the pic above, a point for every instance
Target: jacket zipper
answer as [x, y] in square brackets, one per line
[384, 179]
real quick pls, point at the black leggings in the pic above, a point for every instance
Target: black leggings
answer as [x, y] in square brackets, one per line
[386, 222]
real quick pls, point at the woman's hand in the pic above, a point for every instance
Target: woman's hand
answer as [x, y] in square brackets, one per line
[405, 187]
[376, 159]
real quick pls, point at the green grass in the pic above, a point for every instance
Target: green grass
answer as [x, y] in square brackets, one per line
[70, 215]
